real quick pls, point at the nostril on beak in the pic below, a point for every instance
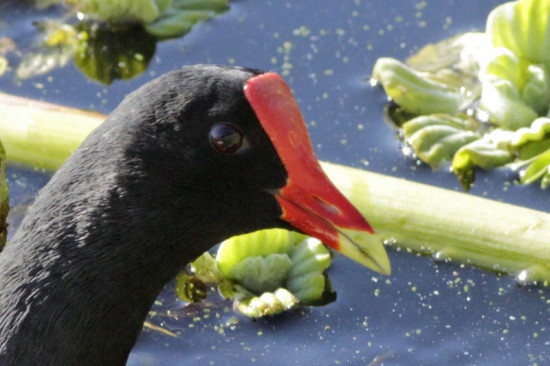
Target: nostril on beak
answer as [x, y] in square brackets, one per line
[328, 207]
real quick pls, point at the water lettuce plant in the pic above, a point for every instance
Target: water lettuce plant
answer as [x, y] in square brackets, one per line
[265, 272]
[469, 99]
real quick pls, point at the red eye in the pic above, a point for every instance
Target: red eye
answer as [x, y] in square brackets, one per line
[226, 138]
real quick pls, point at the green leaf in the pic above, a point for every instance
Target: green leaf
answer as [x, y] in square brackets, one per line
[435, 138]
[502, 102]
[522, 27]
[538, 131]
[306, 279]
[211, 5]
[266, 260]
[532, 140]
[503, 78]
[488, 152]
[177, 23]
[183, 14]
[206, 269]
[504, 64]
[162, 18]
[257, 244]
[538, 168]
[457, 52]
[262, 274]
[533, 147]
[144, 11]
[421, 93]
[536, 92]
[516, 85]
[503, 75]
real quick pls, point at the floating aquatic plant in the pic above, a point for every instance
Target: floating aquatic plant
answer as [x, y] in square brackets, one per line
[464, 96]
[266, 272]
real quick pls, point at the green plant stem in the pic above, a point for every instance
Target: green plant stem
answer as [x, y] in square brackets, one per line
[42, 134]
[446, 224]
[450, 225]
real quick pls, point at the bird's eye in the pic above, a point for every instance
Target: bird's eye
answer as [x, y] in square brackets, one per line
[226, 138]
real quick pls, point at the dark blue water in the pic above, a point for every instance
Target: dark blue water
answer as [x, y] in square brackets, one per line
[426, 312]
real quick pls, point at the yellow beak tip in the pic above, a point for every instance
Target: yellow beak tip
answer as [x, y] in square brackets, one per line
[365, 248]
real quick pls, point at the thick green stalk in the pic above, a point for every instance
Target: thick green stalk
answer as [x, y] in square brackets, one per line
[42, 134]
[426, 219]
[450, 225]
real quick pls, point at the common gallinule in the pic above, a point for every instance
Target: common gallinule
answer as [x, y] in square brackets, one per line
[194, 157]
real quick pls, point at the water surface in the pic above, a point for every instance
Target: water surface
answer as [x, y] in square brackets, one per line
[424, 313]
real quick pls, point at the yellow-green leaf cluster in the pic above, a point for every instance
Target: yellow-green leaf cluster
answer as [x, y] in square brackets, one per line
[265, 272]
[501, 77]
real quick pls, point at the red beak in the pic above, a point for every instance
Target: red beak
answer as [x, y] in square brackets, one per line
[309, 201]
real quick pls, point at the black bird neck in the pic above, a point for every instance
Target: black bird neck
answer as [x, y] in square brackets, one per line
[72, 296]
[92, 254]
